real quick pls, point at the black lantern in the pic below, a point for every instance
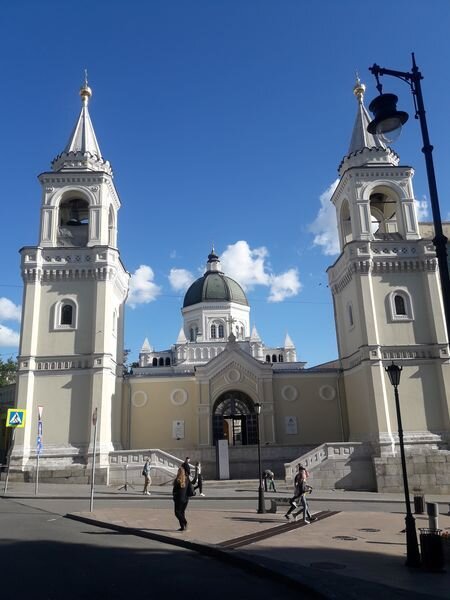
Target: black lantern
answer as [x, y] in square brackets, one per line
[394, 372]
[388, 120]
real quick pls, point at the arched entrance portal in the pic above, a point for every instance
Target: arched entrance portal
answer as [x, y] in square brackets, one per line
[234, 419]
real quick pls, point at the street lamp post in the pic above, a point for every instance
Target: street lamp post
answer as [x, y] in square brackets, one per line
[387, 122]
[261, 502]
[412, 547]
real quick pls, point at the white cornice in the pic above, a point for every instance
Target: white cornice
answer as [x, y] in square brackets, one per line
[381, 256]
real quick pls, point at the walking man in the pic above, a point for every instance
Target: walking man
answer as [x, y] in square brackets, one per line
[147, 478]
[198, 478]
[299, 483]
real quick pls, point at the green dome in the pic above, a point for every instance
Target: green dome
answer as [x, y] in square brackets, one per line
[214, 287]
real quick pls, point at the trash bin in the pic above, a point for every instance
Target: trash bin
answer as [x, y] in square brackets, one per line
[419, 504]
[431, 549]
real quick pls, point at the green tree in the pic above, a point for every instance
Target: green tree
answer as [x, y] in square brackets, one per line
[8, 369]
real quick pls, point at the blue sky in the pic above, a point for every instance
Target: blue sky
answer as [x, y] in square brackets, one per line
[225, 122]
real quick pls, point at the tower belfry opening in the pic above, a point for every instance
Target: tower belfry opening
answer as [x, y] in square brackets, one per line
[383, 213]
[73, 222]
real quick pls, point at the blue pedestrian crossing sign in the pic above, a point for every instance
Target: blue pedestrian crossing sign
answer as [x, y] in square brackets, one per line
[15, 418]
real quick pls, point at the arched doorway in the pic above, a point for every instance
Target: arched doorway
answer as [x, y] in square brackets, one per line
[234, 419]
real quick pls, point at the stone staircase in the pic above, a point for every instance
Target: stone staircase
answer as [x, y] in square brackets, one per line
[340, 465]
[125, 466]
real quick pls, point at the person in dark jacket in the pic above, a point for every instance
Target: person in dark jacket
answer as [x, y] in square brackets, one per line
[299, 483]
[181, 493]
[186, 466]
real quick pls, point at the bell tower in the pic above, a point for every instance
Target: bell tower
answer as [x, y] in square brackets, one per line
[387, 296]
[75, 286]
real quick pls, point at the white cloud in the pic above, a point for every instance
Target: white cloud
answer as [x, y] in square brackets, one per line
[142, 287]
[180, 279]
[250, 268]
[422, 209]
[245, 265]
[9, 311]
[8, 337]
[324, 225]
[284, 286]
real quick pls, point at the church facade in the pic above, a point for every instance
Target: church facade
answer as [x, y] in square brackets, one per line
[219, 381]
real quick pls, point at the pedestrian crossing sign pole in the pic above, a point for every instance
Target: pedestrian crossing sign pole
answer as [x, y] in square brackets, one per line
[15, 418]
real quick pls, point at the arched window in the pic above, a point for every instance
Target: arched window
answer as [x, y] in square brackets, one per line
[111, 227]
[213, 332]
[221, 331]
[268, 358]
[161, 362]
[400, 306]
[399, 303]
[280, 358]
[167, 362]
[66, 314]
[274, 358]
[155, 362]
[191, 335]
[346, 223]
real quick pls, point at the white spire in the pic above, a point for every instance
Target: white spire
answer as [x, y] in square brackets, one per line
[365, 148]
[181, 339]
[288, 343]
[254, 336]
[361, 138]
[82, 151]
[146, 346]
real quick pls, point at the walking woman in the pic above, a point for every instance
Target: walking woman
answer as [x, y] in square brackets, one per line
[182, 490]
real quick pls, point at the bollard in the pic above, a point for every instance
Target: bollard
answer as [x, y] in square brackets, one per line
[419, 504]
[433, 514]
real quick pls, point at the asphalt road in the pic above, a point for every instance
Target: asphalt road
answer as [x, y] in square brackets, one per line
[46, 556]
[163, 499]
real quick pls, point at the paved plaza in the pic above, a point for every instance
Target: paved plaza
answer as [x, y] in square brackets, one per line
[350, 551]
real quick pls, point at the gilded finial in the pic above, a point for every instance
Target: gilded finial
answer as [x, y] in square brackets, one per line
[359, 88]
[85, 91]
